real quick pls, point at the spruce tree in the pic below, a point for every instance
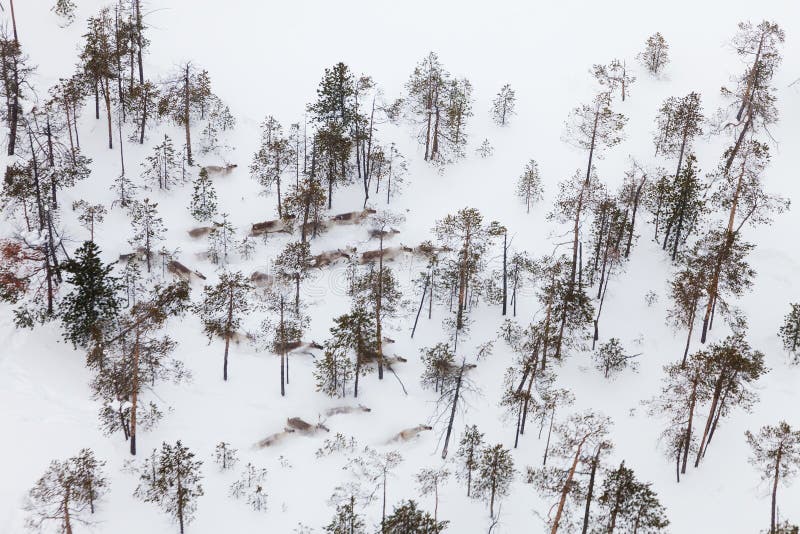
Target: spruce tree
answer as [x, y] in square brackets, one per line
[148, 228]
[93, 303]
[627, 505]
[272, 159]
[468, 455]
[203, 205]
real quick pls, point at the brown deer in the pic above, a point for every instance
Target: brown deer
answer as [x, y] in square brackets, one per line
[326, 258]
[183, 272]
[409, 433]
[293, 346]
[352, 217]
[294, 425]
[388, 254]
[271, 227]
[262, 279]
[220, 170]
[386, 234]
[201, 231]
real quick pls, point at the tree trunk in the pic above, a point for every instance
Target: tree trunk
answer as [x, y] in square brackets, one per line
[590, 489]
[456, 394]
[187, 115]
[134, 391]
[566, 488]
[773, 508]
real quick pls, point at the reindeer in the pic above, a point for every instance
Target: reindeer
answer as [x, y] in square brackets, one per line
[294, 425]
[316, 226]
[182, 271]
[385, 234]
[220, 170]
[242, 337]
[201, 231]
[326, 258]
[374, 255]
[409, 433]
[262, 279]
[425, 249]
[296, 346]
[352, 217]
[271, 227]
[341, 410]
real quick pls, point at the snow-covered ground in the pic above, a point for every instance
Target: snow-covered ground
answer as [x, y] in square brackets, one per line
[267, 58]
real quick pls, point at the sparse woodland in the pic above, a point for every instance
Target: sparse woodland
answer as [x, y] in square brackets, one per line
[559, 345]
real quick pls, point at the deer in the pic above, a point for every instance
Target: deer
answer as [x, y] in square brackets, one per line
[352, 217]
[201, 231]
[220, 170]
[341, 410]
[262, 279]
[386, 234]
[183, 272]
[409, 433]
[374, 255]
[271, 227]
[326, 258]
[294, 425]
[293, 346]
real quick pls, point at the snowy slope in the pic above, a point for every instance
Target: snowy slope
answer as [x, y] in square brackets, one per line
[267, 58]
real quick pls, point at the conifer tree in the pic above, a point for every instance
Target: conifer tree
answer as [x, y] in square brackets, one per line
[148, 228]
[468, 455]
[627, 505]
[93, 303]
[613, 76]
[346, 520]
[14, 87]
[171, 478]
[655, 56]
[429, 481]
[66, 492]
[304, 205]
[407, 518]
[90, 214]
[529, 185]
[427, 94]
[203, 205]
[272, 159]
[185, 97]
[100, 61]
[225, 456]
[790, 332]
[284, 328]
[162, 165]
[683, 206]
[220, 240]
[293, 265]
[494, 475]
[440, 366]
[503, 105]
[223, 307]
[353, 333]
[611, 358]
[776, 453]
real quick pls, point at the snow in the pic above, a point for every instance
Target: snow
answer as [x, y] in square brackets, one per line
[267, 58]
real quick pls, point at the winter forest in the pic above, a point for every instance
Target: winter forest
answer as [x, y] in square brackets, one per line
[420, 267]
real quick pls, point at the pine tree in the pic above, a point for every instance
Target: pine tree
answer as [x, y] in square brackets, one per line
[468, 455]
[304, 205]
[223, 307]
[655, 55]
[440, 366]
[293, 265]
[429, 481]
[613, 76]
[627, 505]
[225, 456]
[185, 98]
[203, 205]
[353, 333]
[494, 475]
[171, 478]
[148, 228]
[220, 241]
[250, 487]
[427, 94]
[100, 61]
[529, 185]
[458, 111]
[284, 328]
[142, 104]
[503, 105]
[90, 214]
[65, 492]
[407, 518]
[272, 159]
[93, 304]
[346, 520]
[776, 453]
[162, 165]
[218, 120]
[790, 332]
[485, 149]
[611, 358]
[683, 207]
